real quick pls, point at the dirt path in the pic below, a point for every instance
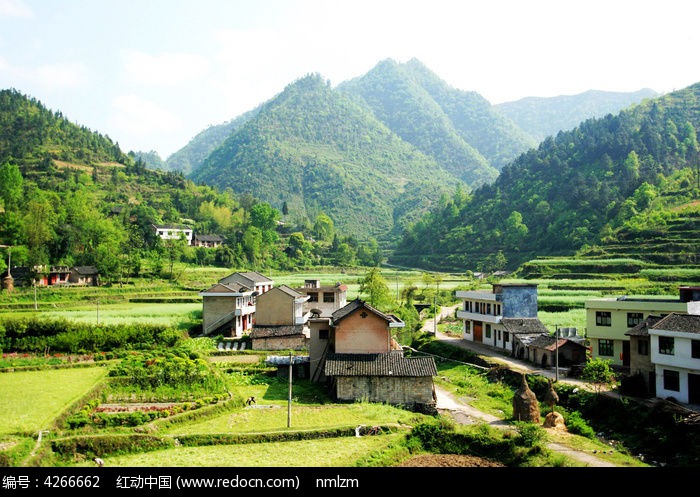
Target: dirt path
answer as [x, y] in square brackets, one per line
[465, 414]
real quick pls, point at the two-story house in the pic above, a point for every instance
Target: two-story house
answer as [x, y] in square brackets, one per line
[280, 320]
[362, 360]
[492, 318]
[174, 232]
[323, 300]
[609, 319]
[675, 353]
[228, 307]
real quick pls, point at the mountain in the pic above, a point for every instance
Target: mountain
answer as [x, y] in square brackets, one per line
[543, 117]
[198, 149]
[315, 150]
[465, 134]
[638, 169]
[465, 139]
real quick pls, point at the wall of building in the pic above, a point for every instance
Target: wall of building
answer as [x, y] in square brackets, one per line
[274, 308]
[362, 335]
[280, 343]
[395, 391]
[519, 301]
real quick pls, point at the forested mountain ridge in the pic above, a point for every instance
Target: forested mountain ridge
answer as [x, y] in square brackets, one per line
[541, 117]
[574, 191]
[462, 130]
[35, 135]
[470, 127]
[315, 150]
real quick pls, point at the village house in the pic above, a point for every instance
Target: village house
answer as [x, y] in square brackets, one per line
[51, 276]
[228, 307]
[675, 353]
[174, 232]
[280, 320]
[208, 241]
[506, 319]
[609, 319]
[361, 360]
[84, 275]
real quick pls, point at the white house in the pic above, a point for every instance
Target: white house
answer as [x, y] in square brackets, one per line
[675, 353]
[174, 232]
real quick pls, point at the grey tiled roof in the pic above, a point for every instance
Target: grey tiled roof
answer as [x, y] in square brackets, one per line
[524, 325]
[391, 364]
[276, 331]
[642, 329]
[687, 323]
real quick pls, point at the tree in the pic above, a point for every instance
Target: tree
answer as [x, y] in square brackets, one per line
[11, 185]
[375, 287]
[263, 216]
[323, 228]
[599, 373]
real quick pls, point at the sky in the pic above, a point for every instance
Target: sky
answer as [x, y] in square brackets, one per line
[152, 74]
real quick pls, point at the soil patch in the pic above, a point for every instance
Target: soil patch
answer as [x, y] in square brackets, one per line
[450, 461]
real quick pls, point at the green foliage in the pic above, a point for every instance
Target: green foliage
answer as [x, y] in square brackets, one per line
[577, 425]
[376, 288]
[599, 372]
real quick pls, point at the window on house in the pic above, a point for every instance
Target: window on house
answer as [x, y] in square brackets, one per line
[634, 318]
[642, 347]
[323, 334]
[672, 380]
[603, 318]
[328, 297]
[487, 332]
[506, 337]
[605, 347]
[498, 335]
[467, 327]
[695, 349]
[313, 296]
[488, 308]
[666, 345]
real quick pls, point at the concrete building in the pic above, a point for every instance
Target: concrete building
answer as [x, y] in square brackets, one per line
[609, 319]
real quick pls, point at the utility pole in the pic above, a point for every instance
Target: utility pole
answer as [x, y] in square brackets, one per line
[289, 396]
[556, 354]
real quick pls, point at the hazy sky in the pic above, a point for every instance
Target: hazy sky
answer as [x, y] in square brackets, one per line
[151, 74]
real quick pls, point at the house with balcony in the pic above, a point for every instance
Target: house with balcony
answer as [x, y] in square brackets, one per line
[493, 318]
[675, 353]
[323, 300]
[280, 320]
[228, 307]
[609, 319]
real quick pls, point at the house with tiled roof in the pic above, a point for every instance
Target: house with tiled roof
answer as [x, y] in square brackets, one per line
[280, 320]
[208, 241]
[360, 359]
[228, 306]
[675, 353]
[609, 318]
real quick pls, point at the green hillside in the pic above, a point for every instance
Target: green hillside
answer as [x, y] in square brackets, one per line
[316, 150]
[595, 183]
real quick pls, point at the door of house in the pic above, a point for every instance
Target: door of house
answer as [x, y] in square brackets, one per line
[626, 353]
[478, 332]
[693, 388]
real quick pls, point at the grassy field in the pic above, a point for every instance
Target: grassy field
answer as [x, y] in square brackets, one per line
[31, 400]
